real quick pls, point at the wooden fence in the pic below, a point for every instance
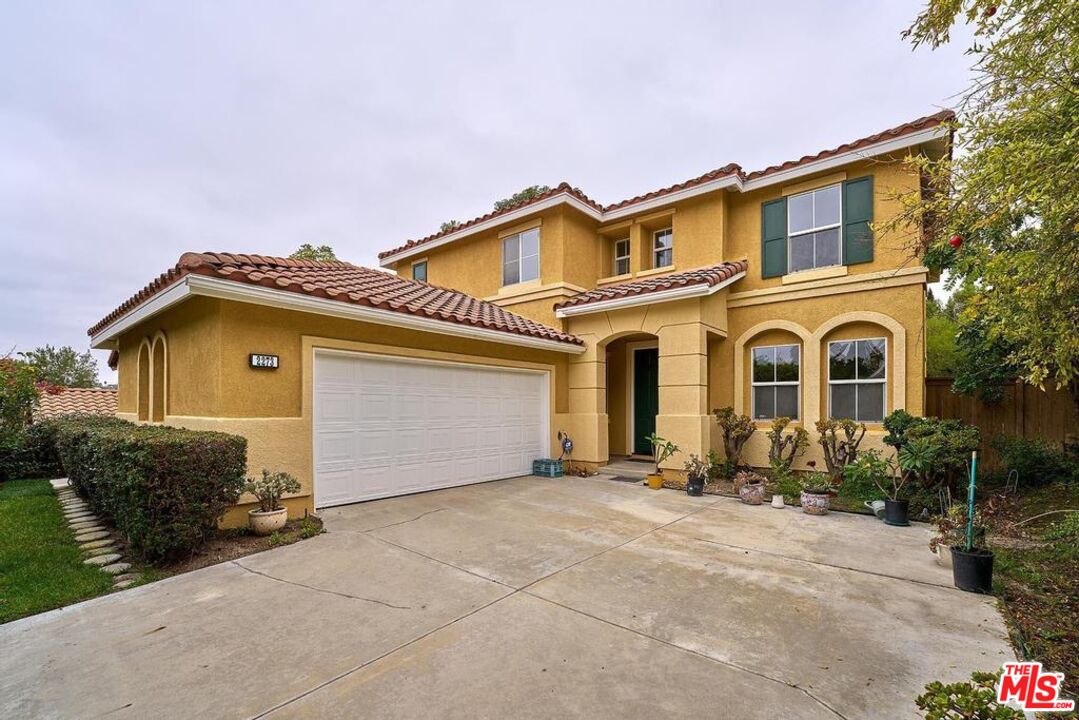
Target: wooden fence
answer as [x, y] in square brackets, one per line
[1025, 411]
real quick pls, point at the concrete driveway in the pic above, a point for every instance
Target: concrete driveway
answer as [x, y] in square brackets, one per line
[526, 598]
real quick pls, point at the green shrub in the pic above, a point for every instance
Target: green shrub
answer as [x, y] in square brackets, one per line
[950, 441]
[1036, 461]
[163, 488]
[975, 699]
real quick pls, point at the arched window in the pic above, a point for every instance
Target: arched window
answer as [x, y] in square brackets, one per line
[143, 381]
[159, 378]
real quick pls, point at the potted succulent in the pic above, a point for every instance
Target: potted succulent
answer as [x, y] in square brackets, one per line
[816, 497]
[750, 486]
[662, 449]
[697, 473]
[270, 516]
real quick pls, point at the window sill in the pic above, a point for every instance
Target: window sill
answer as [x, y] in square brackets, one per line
[656, 271]
[614, 279]
[519, 288]
[823, 273]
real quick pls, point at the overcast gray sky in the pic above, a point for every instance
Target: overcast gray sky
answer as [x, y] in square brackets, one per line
[131, 132]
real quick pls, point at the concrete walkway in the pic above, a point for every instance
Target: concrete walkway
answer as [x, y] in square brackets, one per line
[526, 598]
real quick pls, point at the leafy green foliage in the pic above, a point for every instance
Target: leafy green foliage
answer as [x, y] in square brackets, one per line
[941, 349]
[449, 225]
[307, 251]
[737, 430]
[946, 443]
[1036, 461]
[662, 449]
[163, 488]
[839, 451]
[41, 567]
[529, 193]
[785, 448]
[971, 700]
[270, 488]
[1066, 529]
[1010, 189]
[63, 366]
[18, 397]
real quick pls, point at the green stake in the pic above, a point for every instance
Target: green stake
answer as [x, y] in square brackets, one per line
[970, 500]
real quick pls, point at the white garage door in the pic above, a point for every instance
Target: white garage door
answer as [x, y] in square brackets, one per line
[386, 426]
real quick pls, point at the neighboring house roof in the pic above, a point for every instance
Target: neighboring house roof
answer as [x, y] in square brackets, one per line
[738, 178]
[688, 283]
[69, 401]
[344, 283]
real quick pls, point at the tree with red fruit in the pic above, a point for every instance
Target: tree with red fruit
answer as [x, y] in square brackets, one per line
[1009, 192]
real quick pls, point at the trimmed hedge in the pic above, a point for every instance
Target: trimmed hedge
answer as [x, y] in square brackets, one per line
[164, 488]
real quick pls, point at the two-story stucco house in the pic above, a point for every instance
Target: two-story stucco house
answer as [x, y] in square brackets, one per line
[767, 290]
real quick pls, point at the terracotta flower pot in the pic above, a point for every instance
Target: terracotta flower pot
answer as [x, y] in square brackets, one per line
[264, 523]
[751, 493]
[814, 503]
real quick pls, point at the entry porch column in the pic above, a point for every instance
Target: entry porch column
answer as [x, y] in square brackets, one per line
[683, 391]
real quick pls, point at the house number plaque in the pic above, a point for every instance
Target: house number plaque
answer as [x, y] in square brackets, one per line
[257, 360]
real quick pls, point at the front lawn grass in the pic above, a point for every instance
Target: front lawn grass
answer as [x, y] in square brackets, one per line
[41, 567]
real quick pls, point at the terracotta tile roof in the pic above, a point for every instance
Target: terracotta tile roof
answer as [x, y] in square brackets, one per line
[905, 129]
[732, 169]
[93, 401]
[347, 283]
[711, 275]
[561, 188]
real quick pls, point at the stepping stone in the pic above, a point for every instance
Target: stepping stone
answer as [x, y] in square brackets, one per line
[126, 576]
[102, 559]
[91, 535]
[123, 584]
[84, 525]
[117, 568]
[80, 517]
[103, 550]
[94, 544]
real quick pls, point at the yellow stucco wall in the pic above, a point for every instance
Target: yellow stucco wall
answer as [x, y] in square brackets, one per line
[211, 387]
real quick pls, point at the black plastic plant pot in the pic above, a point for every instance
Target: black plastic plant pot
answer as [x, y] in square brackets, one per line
[897, 512]
[972, 571]
[695, 486]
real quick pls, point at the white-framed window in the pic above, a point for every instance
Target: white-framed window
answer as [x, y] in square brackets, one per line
[621, 257]
[419, 270]
[520, 257]
[663, 248]
[813, 229]
[776, 381]
[857, 378]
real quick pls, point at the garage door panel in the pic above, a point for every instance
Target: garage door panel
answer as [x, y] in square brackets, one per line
[386, 426]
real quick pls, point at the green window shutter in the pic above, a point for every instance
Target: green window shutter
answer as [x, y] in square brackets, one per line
[857, 215]
[774, 238]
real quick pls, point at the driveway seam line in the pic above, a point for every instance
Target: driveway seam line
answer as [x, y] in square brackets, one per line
[822, 564]
[374, 660]
[318, 589]
[668, 643]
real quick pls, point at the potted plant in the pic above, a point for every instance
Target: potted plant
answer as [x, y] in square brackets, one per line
[697, 473]
[972, 561]
[270, 516]
[871, 469]
[816, 497]
[750, 486]
[662, 449]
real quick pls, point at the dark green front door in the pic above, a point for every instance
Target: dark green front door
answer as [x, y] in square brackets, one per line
[645, 398]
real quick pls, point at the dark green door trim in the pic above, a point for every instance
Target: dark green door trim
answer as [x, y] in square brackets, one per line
[645, 397]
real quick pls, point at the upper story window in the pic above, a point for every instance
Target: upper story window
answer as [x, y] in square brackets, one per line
[621, 257]
[419, 270]
[776, 377]
[857, 375]
[520, 257]
[662, 248]
[813, 223]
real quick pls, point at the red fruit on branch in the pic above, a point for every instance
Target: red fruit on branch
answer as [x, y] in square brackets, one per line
[990, 11]
[956, 241]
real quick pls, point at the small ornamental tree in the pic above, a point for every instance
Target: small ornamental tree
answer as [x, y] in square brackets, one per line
[839, 451]
[737, 430]
[63, 366]
[785, 448]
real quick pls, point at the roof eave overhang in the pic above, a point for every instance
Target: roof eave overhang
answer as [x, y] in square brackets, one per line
[731, 182]
[682, 293]
[223, 289]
